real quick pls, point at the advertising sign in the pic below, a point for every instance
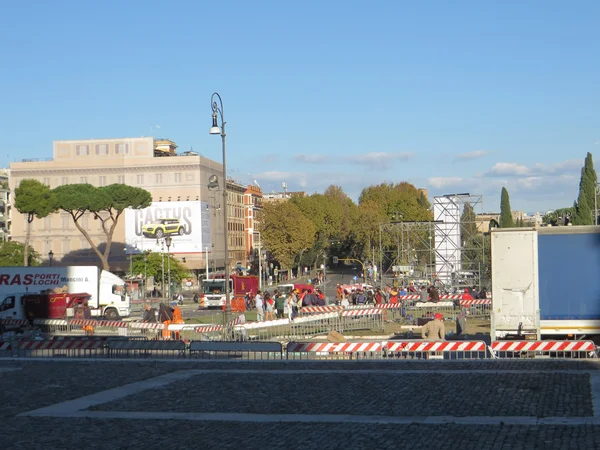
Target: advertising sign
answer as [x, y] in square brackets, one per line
[187, 223]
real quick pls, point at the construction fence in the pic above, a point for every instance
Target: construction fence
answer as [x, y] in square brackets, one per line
[389, 350]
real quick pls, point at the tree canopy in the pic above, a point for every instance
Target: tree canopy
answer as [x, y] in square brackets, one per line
[506, 219]
[105, 204]
[150, 264]
[585, 204]
[34, 200]
[12, 253]
[286, 232]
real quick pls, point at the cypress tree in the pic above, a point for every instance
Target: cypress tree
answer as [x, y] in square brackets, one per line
[506, 220]
[584, 207]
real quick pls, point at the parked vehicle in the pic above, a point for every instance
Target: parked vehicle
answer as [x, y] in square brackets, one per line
[107, 293]
[546, 283]
[213, 290]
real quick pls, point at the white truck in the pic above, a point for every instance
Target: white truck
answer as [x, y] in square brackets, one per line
[546, 283]
[108, 292]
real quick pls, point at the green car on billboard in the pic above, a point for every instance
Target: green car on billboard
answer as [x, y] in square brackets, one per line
[163, 227]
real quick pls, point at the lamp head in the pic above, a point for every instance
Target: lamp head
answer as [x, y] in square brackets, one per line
[50, 255]
[168, 241]
[215, 129]
[213, 182]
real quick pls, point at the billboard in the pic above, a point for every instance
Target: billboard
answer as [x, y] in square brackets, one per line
[187, 223]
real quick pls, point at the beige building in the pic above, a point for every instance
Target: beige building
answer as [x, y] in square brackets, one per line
[483, 220]
[5, 205]
[178, 184]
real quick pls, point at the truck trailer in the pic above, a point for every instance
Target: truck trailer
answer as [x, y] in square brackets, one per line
[546, 283]
[108, 293]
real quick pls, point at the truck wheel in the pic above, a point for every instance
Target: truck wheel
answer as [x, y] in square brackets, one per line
[181, 231]
[159, 233]
[111, 314]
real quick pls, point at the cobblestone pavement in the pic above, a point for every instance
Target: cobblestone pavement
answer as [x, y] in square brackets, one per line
[541, 389]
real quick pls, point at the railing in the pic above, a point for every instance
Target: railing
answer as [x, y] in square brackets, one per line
[112, 348]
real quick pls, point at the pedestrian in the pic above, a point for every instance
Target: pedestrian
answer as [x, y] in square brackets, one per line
[424, 294]
[434, 294]
[279, 303]
[149, 314]
[434, 329]
[269, 306]
[291, 305]
[260, 311]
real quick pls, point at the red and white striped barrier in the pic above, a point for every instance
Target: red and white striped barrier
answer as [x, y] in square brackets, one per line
[53, 322]
[476, 302]
[320, 309]
[98, 323]
[326, 347]
[409, 297]
[208, 329]
[436, 346]
[543, 346]
[90, 344]
[389, 305]
[361, 312]
[13, 322]
[5, 346]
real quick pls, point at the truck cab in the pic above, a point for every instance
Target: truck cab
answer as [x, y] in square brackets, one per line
[11, 307]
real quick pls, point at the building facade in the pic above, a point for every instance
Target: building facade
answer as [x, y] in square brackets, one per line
[5, 205]
[178, 185]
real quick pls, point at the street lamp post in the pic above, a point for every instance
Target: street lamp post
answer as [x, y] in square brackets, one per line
[259, 259]
[162, 259]
[217, 111]
[50, 257]
[168, 242]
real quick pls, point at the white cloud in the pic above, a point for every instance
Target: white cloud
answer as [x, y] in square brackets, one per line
[508, 169]
[311, 159]
[379, 159]
[300, 178]
[445, 182]
[471, 155]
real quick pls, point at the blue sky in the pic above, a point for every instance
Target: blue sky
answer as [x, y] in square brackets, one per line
[463, 96]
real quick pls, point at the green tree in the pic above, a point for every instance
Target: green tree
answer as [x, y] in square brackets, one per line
[468, 223]
[12, 253]
[477, 254]
[286, 232]
[561, 216]
[585, 204]
[33, 199]
[402, 198]
[105, 204]
[150, 264]
[506, 219]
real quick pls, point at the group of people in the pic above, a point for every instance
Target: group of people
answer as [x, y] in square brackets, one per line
[166, 315]
[270, 306]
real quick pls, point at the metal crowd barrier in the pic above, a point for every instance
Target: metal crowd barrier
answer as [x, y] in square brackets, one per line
[543, 349]
[334, 351]
[146, 349]
[238, 350]
[95, 347]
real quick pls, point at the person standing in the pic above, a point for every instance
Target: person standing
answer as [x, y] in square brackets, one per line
[434, 294]
[434, 329]
[260, 307]
[279, 303]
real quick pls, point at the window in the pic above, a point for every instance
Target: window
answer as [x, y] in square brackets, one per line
[66, 247]
[85, 222]
[140, 179]
[82, 150]
[121, 179]
[66, 220]
[158, 178]
[47, 223]
[47, 181]
[102, 180]
[83, 180]
[121, 149]
[65, 180]
[177, 178]
[102, 149]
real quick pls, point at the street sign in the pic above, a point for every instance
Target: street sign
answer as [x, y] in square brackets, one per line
[335, 259]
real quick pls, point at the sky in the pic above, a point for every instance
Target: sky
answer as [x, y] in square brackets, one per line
[462, 96]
